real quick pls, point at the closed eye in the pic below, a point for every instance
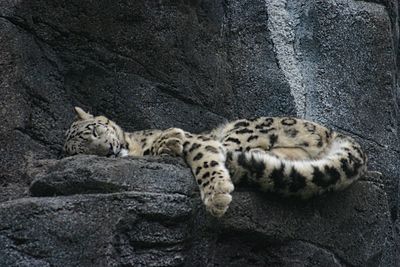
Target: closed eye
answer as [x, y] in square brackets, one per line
[86, 133]
[94, 132]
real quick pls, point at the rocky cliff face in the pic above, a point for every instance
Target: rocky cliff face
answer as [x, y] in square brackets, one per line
[192, 64]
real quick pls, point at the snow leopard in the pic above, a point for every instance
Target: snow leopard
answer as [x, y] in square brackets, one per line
[285, 155]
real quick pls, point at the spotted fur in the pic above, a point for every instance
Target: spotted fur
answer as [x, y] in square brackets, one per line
[290, 156]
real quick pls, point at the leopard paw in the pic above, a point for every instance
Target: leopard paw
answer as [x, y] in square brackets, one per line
[218, 199]
[170, 142]
[172, 147]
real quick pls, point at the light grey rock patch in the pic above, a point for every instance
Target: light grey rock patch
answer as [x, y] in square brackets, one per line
[281, 25]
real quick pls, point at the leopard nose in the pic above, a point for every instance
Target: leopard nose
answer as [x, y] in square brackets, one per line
[111, 151]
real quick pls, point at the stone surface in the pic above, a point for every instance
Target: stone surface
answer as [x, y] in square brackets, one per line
[192, 64]
[95, 230]
[134, 222]
[92, 174]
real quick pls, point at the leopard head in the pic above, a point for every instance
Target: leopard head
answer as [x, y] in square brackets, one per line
[96, 135]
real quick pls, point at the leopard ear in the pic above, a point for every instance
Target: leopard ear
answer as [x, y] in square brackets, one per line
[82, 115]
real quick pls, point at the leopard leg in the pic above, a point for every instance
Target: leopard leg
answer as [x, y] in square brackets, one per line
[206, 158]
[207, 161]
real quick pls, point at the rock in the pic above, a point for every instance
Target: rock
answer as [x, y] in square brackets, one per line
[95, 230]
[154, 227]
[345, 224]
[192, 64]
[92, 174]
[347, 61]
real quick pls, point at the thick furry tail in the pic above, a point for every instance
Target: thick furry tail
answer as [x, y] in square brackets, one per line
[342, 164]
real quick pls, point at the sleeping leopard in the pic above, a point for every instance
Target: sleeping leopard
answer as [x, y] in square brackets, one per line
[286, 155]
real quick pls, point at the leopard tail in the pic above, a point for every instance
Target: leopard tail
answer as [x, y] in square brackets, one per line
[343, 163]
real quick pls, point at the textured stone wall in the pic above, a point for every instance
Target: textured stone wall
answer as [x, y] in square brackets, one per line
[192, 64]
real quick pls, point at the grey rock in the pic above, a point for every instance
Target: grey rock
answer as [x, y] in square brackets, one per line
[95, 230]
[192, 64]
[343, 223]
[349, 64]
[153, 228]
[92, 174]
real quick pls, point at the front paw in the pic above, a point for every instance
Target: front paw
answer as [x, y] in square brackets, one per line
[170, 142]
[217, 200]
[172, 147]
